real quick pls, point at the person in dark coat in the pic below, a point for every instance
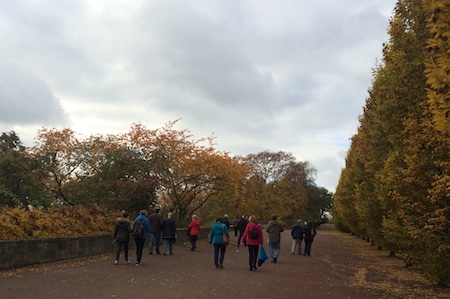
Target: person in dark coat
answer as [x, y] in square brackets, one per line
[235, 225]
[297, 237]
[310, 233]
[242, 224]
[169, 233]
[226, 221]
[122, 232]
[156, 226]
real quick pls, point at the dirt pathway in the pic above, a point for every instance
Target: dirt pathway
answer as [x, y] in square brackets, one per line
[335, 270]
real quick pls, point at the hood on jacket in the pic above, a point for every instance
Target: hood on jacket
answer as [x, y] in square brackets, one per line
[123, 219]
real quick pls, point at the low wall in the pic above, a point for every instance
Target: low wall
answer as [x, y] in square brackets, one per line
[19, 253]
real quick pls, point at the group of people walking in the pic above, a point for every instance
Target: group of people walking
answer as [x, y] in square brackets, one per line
[155, 225]
[248, 231]
[300, 233]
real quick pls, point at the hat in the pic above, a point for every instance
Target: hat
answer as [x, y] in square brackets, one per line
[225, 216]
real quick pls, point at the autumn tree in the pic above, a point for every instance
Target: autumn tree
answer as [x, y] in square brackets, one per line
[60, 154]
[277, 184]
[189, 172]
[20, 184]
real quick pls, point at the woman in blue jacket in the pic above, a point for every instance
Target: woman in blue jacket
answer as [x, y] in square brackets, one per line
[140, 238]
[216, 238]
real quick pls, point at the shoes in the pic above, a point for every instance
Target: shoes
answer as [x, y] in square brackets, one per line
[127, 262]
[171, 253]
[275, 260]
[116, 262]
[254, 268]
[158, 252]
[150, 252]
[251, 268]
[220, 266]
[217, 266]
[137, 265]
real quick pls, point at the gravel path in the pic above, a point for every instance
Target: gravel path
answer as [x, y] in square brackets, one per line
[330, 272]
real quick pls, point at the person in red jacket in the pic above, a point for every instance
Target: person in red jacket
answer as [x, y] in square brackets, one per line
[253, 241]
[194, 227]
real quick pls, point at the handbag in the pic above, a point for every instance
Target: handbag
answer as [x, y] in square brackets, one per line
[225, 241]
[262, 257]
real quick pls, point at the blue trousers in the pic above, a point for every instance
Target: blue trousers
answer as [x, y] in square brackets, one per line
[274, 250]
[154, 241]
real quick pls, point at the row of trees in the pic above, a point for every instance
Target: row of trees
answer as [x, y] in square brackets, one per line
[144, 167]
[395, 188]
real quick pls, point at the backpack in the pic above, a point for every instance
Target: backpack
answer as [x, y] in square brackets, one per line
[254, 234]
[138, 231]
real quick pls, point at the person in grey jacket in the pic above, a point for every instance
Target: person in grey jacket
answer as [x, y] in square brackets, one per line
[274, 229]
[122, 232]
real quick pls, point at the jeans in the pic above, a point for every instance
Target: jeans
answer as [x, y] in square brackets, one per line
[167, 241]
[253, 255]
[274, 250]
[139, 248]
[119, 245]
[193, 240]
[295, 243]
[219, 250]
[154, 241]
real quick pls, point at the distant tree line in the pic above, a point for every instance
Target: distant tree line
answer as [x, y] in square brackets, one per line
[395, 187]
[143, 168]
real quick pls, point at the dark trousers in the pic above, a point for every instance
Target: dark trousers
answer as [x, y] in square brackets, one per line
[119, 245]
[253, 255]
[219, 253]
[193, 240]
[308, 243]
[139, 248]
[235, 231]
[240, 237]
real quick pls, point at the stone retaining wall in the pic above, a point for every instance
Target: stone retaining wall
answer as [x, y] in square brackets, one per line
[14, 254]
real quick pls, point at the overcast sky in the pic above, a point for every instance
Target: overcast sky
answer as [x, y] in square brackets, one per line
[260, 75]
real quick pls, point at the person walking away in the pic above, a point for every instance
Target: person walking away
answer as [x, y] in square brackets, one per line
[122, 232]
[235, 225]
[297, 237]
[169, 233]
[274, 229]
[194, 227]
[156, 225]
[141, 228]
[216, 238]
[310, 233]
[226, 221]
[253, 240]
[242, 224]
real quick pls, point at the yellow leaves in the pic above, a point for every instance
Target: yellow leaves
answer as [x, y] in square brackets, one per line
[57, 222]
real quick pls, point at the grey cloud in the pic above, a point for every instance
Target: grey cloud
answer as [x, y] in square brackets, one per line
[26, 99]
